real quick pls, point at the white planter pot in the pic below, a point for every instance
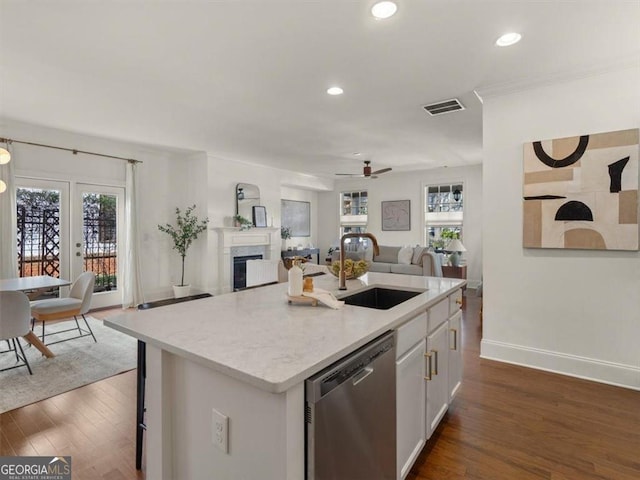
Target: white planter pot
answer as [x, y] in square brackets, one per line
[181, 291]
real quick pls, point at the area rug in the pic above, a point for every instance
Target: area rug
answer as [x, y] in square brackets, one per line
[76, 363]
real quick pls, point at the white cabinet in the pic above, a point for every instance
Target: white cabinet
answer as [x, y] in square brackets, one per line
[437, 375]
[428, 375]
[455, 354]
[410, 398]
[455, 301]
[410, 392]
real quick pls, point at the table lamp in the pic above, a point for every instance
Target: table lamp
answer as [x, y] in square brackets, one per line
[455, 247]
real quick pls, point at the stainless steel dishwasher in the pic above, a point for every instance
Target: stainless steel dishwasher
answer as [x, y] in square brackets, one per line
[351, 416]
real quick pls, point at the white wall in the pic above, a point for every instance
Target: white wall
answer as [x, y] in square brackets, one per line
[410, 186]
[224, 174]
[289, 193]
[168, 178]
[570, 311]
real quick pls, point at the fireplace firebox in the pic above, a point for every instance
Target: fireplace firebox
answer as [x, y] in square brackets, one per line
[240, 271]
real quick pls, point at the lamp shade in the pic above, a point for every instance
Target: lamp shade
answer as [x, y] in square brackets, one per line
[455, 245]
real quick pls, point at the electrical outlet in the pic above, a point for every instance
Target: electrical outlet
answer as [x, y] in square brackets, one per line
[220, 430]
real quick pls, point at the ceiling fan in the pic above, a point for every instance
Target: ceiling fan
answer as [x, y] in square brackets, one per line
[366, 171]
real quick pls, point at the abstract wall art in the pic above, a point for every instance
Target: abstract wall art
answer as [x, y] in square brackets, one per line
[396, 215]
[297, 216]
[582, 192]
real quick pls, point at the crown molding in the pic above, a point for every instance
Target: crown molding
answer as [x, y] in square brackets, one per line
[500, 89]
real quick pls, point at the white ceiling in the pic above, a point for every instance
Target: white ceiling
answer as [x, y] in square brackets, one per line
[246, 80]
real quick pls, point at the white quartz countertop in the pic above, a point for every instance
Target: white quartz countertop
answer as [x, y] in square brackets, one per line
[257, 337]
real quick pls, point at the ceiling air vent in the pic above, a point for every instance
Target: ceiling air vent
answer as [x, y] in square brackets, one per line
[444, 107]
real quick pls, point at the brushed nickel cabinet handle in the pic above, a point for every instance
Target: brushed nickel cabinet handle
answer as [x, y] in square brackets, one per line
[436, 362]
[455, 339]
[428, 356]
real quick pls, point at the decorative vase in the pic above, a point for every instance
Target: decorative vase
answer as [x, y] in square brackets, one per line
[180, 291]
[284, 244]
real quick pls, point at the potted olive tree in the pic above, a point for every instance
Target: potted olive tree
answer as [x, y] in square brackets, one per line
[187, 229]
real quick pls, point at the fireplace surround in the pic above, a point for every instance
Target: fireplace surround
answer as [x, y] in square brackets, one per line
[233, 242]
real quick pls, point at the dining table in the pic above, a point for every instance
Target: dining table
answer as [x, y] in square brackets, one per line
[34, 286]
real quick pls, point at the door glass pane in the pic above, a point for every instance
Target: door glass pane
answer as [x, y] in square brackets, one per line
[38, 214]
[99, 214]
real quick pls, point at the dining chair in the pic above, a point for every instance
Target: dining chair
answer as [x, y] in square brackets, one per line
[77, 303]
[14, 323]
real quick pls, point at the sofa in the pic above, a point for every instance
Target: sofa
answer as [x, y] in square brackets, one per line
[396, 259]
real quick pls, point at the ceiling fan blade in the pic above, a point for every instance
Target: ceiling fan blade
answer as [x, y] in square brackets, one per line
[350, 174]
[382, 170]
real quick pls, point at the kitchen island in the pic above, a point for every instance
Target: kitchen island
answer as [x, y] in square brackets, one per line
[246, 355]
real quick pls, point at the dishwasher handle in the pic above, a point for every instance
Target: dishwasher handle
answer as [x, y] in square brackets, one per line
[361, 375]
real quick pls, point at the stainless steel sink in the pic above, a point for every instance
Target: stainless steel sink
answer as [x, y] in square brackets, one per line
[379, 297]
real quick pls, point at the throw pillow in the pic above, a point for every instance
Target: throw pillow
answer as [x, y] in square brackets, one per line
[416, 259]
[404, 255]
[387, 254]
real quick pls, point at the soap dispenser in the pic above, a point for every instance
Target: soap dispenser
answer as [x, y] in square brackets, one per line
[295, 279]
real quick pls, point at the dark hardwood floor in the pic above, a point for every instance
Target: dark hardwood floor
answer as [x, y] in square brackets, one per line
[95, 424]
[507, 422]
[516, 423]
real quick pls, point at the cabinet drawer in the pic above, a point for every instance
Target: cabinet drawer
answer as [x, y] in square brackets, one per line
[411, 333]
[455, 301]
[438, 314]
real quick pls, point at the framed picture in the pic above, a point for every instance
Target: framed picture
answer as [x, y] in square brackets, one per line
[259, 216]
[297, 216]
[396, 215]
[582, 192]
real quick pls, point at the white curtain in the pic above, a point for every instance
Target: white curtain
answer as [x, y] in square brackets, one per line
[8, 223]
[132, 280]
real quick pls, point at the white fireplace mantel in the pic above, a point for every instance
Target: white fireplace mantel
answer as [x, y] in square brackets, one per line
[231, 237]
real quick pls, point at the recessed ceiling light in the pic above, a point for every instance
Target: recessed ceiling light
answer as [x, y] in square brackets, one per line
[508, 39]
[335, 91]
[356, 154]
[382, 10]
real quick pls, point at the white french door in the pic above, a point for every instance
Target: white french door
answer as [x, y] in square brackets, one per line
[97, 229]
[43, 226]
[66, 228]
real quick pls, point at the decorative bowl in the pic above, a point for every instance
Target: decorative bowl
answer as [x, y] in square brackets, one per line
[352, 268]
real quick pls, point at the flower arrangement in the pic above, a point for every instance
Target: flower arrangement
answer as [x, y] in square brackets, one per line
[187, 230]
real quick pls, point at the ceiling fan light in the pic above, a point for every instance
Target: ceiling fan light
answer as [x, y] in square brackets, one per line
[5, 156]
[382, 10]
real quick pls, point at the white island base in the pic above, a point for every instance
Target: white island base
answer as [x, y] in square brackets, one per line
[265, 430]
[246, 355]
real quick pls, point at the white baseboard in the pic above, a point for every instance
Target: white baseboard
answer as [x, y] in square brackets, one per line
[596, 370]
[473, 284]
